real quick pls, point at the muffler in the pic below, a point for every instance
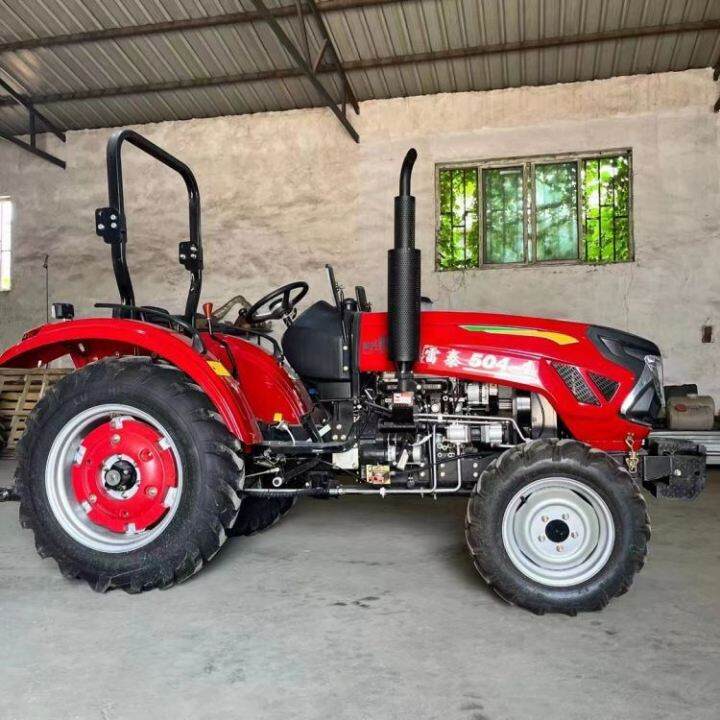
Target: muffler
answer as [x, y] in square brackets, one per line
[404, 282]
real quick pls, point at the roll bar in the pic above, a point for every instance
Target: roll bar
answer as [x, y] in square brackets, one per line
[110, 222]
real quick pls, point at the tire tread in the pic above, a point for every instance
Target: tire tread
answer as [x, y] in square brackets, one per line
[218, 444]
[527, 457]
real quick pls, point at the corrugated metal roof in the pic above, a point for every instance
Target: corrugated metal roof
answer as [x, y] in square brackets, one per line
[369, 38]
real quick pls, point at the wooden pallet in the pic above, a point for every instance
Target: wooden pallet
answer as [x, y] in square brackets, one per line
[20, 390]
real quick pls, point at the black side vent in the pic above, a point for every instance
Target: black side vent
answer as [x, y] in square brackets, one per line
[572, 377]
[607, 386]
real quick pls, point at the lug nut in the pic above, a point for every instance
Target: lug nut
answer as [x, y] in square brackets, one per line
[146, 455]
[559, 548]
[565, 516]
[151, 492]
[541, 538]
[92, 499]
[573, 534]
[544, 518]
[115, 439]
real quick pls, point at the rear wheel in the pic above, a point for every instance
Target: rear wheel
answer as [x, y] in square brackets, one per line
[556, 526]
[258, 514]
[127, 476]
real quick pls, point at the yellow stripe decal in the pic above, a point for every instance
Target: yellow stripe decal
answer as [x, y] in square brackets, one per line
[218, 368]
[556, 337]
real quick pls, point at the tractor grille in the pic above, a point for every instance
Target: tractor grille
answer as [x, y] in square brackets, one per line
[572, 377]
[607, 386]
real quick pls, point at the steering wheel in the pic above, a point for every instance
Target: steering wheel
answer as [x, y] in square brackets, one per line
[280, 303]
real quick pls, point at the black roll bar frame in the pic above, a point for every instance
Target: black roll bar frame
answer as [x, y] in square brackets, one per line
[111, 225]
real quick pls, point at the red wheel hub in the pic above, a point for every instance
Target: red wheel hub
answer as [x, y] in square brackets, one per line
[124, 475]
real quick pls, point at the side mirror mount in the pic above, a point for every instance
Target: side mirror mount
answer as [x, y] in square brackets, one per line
[362, 300]
[336, 290]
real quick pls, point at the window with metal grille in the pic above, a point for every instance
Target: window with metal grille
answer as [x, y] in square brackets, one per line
[5, 242]
[457, 240]
[560, 209]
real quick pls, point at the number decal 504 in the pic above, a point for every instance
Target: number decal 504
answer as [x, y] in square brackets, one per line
[499, 366]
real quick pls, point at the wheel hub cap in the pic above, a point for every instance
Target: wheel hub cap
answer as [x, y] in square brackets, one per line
[555, 526]
[558, 531]
[124, 475]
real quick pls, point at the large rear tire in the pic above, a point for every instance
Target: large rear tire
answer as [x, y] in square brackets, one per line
[557, 526]
[258, 514]
[127, 476]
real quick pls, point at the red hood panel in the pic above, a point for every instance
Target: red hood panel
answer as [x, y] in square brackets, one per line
[517, 351]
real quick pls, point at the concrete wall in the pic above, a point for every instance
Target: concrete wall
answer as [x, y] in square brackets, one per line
[286, 192]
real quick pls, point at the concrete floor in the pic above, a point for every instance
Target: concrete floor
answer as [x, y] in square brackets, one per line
[362, 609]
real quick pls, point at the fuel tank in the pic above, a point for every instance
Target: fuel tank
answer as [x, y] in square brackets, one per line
[584, 375]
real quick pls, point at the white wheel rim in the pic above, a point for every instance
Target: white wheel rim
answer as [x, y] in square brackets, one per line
[558, 532]
[69, 512]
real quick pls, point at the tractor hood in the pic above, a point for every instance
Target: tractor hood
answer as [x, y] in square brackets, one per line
[585, 370]
[560, 340]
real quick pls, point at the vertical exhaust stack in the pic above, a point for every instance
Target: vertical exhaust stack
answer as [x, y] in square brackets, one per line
[404, 282]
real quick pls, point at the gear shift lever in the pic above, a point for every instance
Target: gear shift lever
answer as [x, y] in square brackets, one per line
[207, 309]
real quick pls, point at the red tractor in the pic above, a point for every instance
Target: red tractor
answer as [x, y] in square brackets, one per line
[175, 431]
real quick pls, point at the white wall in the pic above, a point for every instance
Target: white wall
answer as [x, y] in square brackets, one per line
[283, 193]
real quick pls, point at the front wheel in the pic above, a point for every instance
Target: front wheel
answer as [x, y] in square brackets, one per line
[127, 476]
[557, 526]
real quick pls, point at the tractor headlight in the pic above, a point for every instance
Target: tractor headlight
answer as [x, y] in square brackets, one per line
[654, 364]
[642, 358]
[647, 397]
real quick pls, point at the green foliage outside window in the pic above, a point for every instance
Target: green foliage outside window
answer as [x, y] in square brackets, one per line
[556, 224]
[457, 242]
[606, 209]
[571, 209]
[503, 210]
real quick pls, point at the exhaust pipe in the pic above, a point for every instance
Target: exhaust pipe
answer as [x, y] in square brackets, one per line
[404, 282]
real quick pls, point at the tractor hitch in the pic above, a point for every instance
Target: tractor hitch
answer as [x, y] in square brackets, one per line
[674, 469]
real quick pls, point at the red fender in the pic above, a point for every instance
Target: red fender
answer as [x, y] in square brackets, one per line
[94, 338]
[269, 390]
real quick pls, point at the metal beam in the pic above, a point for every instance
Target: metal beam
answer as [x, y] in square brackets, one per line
[303, 30]
[216, 81]
[334, 59]
[34, 113]
[31, 148]
[379, 63]
[171, 26]
[304, 66]
[33, 116]
[539, 44]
